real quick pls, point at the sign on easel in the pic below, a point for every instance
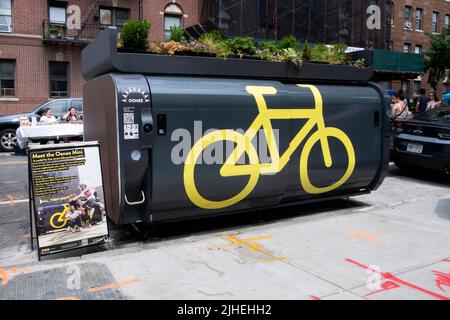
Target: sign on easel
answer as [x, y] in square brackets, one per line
[67, 196]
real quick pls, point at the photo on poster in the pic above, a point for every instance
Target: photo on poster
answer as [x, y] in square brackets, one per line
[68, 197]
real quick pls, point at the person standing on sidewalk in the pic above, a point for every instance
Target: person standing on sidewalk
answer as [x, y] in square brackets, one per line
[422, 101]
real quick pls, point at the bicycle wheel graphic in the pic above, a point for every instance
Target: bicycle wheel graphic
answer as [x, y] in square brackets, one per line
[57, 221]
[196, 152]
[328, 133]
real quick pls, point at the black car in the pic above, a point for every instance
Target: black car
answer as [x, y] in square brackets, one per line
[423, 141]
[9, 124]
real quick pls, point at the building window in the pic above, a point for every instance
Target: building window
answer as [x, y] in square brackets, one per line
[418, 49]
[419, 19]
[389, 45]
[113, 17]
[390, 13]
[59, 83]
[408, 17]
[5, 16]
[7, 78]
[57, 15]
[417, 86]
[172, 17]
[447, 20]
[407, 47]
[435, 22]
[405, 88]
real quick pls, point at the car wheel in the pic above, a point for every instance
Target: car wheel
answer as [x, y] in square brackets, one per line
[8, 140]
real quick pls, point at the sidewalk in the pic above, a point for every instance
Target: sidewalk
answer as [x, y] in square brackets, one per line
[319, 256]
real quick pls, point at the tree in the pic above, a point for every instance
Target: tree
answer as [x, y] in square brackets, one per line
[437, 60]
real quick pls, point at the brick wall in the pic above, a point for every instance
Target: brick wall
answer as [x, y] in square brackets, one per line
[154, 11]
[401, 35]
[32, 56]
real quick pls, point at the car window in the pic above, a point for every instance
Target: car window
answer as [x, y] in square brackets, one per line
[58, 107]
[78, 104]
[441, 114]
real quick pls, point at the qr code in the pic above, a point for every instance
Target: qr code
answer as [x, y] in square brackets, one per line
[128, 118]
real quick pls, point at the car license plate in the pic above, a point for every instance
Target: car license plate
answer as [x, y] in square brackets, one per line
[414, 147]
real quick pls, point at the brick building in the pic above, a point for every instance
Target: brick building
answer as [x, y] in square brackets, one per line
[40, 57]
[411, 21]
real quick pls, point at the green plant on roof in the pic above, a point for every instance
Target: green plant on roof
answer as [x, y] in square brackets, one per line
[176, 33]
[215, 43]
[290, 55]
[289, 41]
[242, 46]
[336, 54]
[134, 34]
[319, 52]
[306, 53]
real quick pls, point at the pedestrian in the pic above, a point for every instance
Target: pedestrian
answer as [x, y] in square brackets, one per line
[422, 101]
[47, 116]
[400, 110]
[433, 102]
[72, 115]
[405, 99]
[75, 219]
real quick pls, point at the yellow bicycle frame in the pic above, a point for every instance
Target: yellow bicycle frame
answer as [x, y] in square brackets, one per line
[263, 120]
[255, 168]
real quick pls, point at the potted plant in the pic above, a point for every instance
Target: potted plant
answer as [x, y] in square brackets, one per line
[134, 35]
[212, 55]
[52, 32]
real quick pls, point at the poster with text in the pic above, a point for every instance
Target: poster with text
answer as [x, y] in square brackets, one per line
[68, 196]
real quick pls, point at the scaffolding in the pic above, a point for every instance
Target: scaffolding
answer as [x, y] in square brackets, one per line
[313, 20]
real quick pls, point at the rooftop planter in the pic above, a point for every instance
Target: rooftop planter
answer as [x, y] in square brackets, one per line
[102, 57]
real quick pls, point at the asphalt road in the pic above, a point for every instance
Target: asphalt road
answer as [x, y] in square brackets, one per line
[391, 244]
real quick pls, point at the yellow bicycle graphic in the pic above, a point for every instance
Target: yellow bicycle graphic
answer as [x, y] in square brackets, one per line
[255, 168]
[59, 216]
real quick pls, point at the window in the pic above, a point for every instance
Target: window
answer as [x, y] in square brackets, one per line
[77, 104]
[105, 17]
[58, 107]
[113, 17]
[447, 20]
[407, 47]
[418, 49]
[5, 16]
[172, 17]
[435, 22]
[57, 15]
[417, 86]
[389, 45]
[408, 16]
[419, 19]
[405, 88]
[59, 79]
[390, 13]
[7, 78]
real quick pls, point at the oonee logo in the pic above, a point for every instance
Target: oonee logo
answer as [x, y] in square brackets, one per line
[133, 95]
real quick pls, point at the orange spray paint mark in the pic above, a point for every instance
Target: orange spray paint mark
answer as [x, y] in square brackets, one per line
[67, 298]
[6, 275]
[370, 236]
[113, 285]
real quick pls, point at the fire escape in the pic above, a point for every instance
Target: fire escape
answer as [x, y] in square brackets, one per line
[55, 33]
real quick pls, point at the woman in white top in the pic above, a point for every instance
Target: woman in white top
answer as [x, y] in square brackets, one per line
[434, 102]
[399, 110]
[47, 116]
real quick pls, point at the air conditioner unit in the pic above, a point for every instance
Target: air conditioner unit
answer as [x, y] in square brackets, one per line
[408, 25]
